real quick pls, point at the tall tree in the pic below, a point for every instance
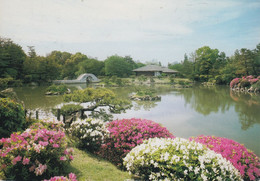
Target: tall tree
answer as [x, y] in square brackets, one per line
[118, 66]
[91, 66]
[205, 60]
[11, 59]
[71, 65]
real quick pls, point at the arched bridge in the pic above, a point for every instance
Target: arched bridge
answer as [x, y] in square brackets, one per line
[83, 78]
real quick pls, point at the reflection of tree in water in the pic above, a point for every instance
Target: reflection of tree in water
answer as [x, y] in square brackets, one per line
[248, 108]
[146, 105]
[206, 100]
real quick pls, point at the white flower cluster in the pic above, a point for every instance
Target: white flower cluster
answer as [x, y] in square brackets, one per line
[90, 132]
[178, 159]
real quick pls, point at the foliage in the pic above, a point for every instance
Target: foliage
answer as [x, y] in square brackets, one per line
[99, 99]
[88, 134]
[72, 177]
[4, 82]
[178, 159]
[116, 65]
[69, 109]
[142, 78]
[12, 117]
[60, 89]
[244, 83]
[125, 134]
[256, 85]
[37, 153]
[12, 57]
[145, 92]
[244, 160]
[92, 66]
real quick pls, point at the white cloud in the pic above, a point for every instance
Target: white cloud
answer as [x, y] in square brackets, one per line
[121, 21]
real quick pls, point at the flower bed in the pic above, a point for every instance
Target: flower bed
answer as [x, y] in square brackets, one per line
[37, 153]
[72, 177]
[178, 159]
[244, 160]
[89, 133]
[249, 84]
[125, 134]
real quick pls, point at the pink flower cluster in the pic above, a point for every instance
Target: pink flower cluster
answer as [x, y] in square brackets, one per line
[125, 134]
[249, 78]
[27, 149]
[245, 161]
[234, 82]
[72, 177]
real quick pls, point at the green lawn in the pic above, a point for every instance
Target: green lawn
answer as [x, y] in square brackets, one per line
[89, 167]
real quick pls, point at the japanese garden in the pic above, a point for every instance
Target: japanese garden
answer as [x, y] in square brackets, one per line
[72, 117]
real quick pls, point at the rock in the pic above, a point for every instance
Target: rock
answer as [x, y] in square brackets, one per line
[48, 93]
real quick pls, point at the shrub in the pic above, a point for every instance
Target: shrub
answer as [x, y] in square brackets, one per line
[125, 134]
[59, 89]
[142, 78]
[256, 85]
[88, 133]
[244, 83]
[234, 82]
[37, 153]
[178, 159]
[244, 160]
[69, 109]
[4, 82]
[72, 177]
[12, 117]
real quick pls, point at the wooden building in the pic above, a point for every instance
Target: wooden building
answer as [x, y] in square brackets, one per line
[154, 70]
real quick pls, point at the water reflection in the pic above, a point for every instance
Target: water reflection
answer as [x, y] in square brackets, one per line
[248, 107]
[207, 100]
[204, 100]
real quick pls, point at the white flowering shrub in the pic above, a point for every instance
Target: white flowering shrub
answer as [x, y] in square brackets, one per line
[178, 159]
[89, 133]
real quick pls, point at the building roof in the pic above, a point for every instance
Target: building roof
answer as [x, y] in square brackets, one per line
[154, 68]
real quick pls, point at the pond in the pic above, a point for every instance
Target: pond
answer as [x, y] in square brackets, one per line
[185, 112]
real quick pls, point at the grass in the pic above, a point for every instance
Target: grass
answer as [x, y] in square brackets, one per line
[92, 168]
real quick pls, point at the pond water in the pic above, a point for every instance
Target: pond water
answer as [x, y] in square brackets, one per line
[185, 112]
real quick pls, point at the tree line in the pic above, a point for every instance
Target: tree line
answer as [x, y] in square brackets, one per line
[30, 67]
[207, 64]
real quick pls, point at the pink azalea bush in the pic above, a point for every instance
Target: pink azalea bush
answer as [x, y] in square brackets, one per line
[125, 134]
[37, 153]
[72, 177]
[234, 82]
[242, 159]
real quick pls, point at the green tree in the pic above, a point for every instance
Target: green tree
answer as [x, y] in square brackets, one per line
[118, 66]
[98, 100]
[71, 65]
[205, 60]
[91, 66]
[11, 59]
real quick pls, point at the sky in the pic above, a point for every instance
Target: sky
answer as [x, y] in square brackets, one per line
[146, 30]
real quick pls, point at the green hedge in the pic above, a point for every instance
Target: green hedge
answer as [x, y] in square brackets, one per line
[12, 117]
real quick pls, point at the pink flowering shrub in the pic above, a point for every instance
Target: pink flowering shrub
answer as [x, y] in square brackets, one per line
[35, 154]
[234, 82]
[242, 159]
[72, 177]
[244, 82]
[125, 134]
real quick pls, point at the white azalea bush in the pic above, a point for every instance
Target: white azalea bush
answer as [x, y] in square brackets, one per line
[178, 159]
[88, 133]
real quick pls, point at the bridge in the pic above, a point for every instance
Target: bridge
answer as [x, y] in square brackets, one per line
[83, 78]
